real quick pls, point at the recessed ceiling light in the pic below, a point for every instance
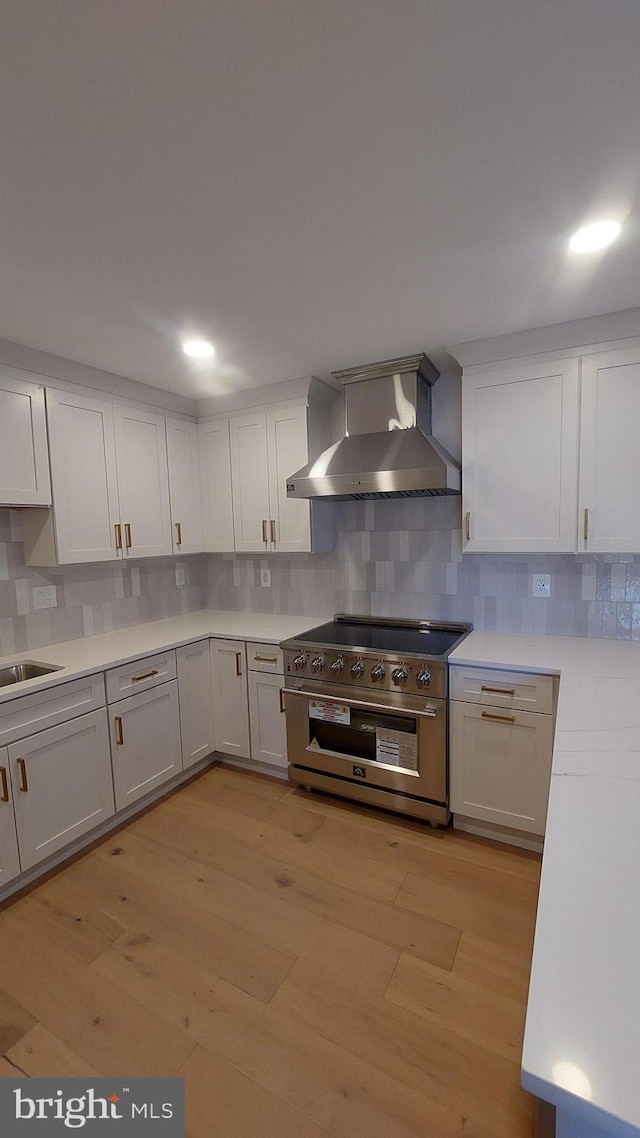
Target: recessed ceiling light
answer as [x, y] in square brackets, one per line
[594, 236]
[198, 349]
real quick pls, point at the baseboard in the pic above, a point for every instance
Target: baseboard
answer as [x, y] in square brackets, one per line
[524, 840]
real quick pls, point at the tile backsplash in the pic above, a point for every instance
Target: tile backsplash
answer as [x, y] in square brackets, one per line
[404, 558]
[91, 598]
[391, 558]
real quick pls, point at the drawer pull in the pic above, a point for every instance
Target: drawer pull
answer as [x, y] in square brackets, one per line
[24, 784]
[498, 691]
[4, 797]
[127, 534]
[118, 529]
[178, 534]
[282, 708]
[119, 731]
[266, 659]
[501, 718]
[238, 663]
[144, 676]
[273, 532]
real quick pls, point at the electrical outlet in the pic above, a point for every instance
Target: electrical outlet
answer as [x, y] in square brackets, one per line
[181, 576]
[44, 597]
[265, 578]
[541, 585]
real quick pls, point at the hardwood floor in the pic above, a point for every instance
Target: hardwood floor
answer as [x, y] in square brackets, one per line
[310, 967]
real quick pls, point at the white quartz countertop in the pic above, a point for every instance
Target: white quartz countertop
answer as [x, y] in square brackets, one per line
[582, 1038]
[76, 658]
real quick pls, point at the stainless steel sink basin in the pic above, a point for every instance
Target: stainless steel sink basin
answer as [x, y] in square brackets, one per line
[15, 673]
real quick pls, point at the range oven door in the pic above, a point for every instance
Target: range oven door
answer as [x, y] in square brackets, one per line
[394, 741]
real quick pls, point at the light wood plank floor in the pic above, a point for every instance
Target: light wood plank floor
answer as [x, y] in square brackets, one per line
[312, 968]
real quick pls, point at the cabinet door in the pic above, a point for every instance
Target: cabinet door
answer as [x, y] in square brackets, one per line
[143, 483]
[215, 469]
[250, 480]
[83, 472]
[62, 786]
[230, 704]
[520, 459]
[24, 458]
[287, 452]
[266, 712]
[609, 454]
[500, 765]
[195, 693]
[9, 860]
[184, 486]
[145, 742]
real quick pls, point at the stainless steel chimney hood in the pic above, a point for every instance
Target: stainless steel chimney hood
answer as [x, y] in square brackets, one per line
[388, 451]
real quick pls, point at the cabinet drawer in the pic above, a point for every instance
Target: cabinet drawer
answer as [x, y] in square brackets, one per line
[29, 713]
[497, 687]
[140, 675]
[265, 658]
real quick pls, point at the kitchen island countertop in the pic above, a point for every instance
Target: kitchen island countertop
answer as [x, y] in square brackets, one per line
[582, 1037]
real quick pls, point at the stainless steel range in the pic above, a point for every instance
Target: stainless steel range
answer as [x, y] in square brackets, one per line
[366, 710]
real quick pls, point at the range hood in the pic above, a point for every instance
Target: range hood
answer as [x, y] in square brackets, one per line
[388, 450]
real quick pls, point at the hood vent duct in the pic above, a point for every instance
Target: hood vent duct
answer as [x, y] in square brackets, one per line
[388, 450]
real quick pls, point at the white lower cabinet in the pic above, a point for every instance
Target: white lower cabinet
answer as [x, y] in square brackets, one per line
[231, 709]
[61, 784]
[145, 742]
[500, 765]
[266, 712]
[9, 859]
[196, 702]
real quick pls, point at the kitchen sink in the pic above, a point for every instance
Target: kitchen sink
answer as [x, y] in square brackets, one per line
[15, 673]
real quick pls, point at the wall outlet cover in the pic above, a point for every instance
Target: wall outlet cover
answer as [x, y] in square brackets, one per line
[44, 597]
[181, 576]
[265, 578]
[541, 585]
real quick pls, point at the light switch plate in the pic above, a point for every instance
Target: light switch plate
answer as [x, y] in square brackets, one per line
[44, 597]
[541, 585]
[181, 576]
[265, 578]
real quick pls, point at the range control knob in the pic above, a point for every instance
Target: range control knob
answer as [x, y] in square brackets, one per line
[299, 661]
[399, 675]
[337, 666]
[423, 679]
[357, 669]
[318, 664]
[377, 672]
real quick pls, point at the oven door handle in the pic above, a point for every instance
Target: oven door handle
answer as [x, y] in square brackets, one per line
[428, 713]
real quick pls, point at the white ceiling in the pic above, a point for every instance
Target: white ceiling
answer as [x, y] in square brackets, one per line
[311, 183]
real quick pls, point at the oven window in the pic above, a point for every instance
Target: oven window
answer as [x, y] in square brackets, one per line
[385, 738]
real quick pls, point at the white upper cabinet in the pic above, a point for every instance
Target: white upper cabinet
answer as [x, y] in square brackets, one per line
[217, 502]
[609, 519]
[250, 481]
[267, 447]
[143, 484]
[83, 470]
[287, 452]
[520, 458]
[24, 461]
[184, 486]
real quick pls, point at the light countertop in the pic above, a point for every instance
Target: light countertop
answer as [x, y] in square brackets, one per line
[582, 1037]
[76, 658]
